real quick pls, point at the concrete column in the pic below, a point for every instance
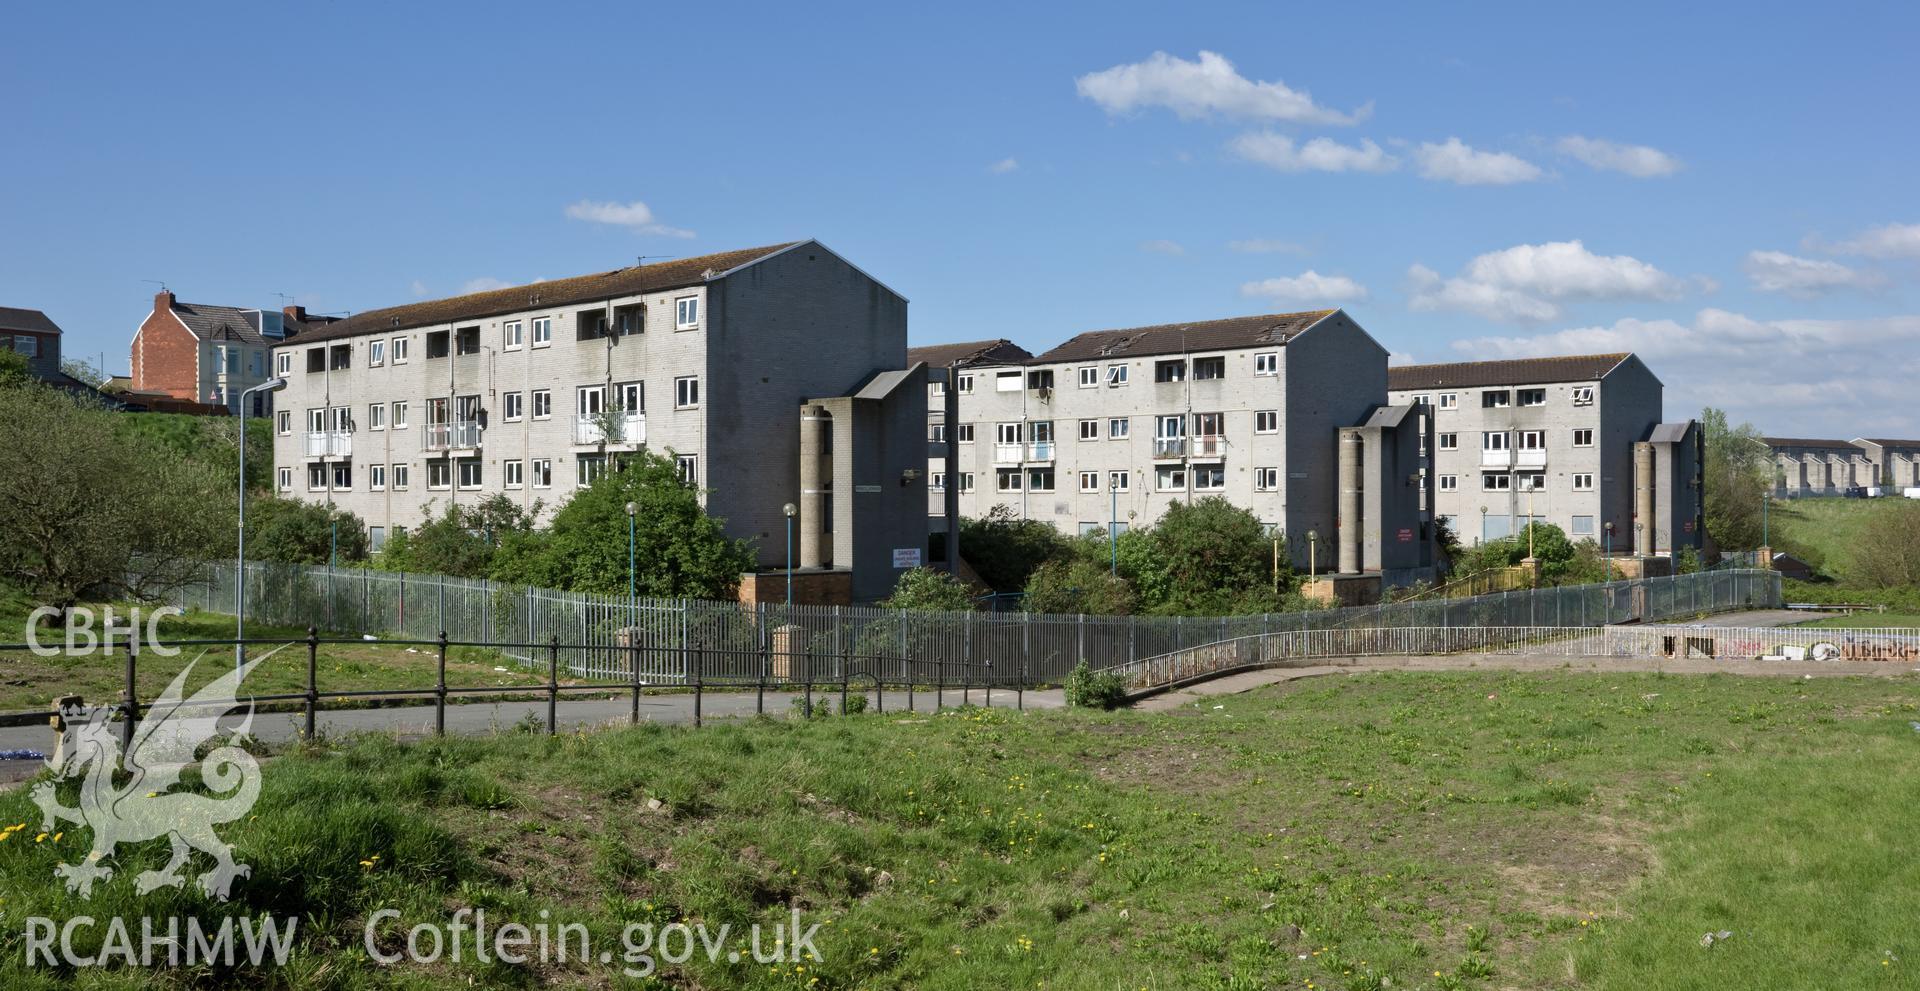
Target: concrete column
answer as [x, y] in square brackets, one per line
[1350, 522]
[1643, 496]
[814, 423]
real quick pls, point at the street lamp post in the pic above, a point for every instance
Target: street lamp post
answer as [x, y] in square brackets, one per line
[790, 509]
[1313, 553]
[1113, 527]
[240, 554]
[631, 510]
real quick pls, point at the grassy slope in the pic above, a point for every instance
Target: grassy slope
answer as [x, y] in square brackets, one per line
[1827, 530]
[1549, 830]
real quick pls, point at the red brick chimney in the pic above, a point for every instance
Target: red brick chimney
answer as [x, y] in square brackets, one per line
[163, 300]
[295, 313]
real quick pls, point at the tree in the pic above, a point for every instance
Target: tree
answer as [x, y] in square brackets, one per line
[1004, 549]
[927, 589]
[81, 371]
[1078, 585]
[15, 372]
[462, 542]
[678, 549]
[86, 509]
[1889, 551]
[1738, 472]
[211, 439]
[298, 532]
[1218, 560]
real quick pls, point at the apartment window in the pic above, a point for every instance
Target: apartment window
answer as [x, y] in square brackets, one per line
[966, 383]
[1089, 429]
[1449, 442]
[282, 363]
[376, 353]
[1449, 400]
[1496, 399]
[342, 476]
[542, 472]
[513, 473]
[377, 477]
[1583, 395]
[1494, 481]
[629, 320]
[590, 400]
[1009, 433]
[1449, 483]
[316, 360]
[1089, 377]
[512, 406]
[937, 481]
[1006, 381]
[937, 433]
[1118, 428]
[1170, 371]
[439, 474]
[285, 478]
[542, 331]
[1007, 480]
[317, 477]
[1042, 379]
[1116, 376]
[1089, 481]
[1209, 478]
[1423, 400]
[513, 335]
[377, 416]
[1119, 481]
[689, 468]
[399, 477]
[686, 313]
[340, 357]
[1533, 397]
[1582, 526]
[966, 481]
[399, 350]
[400, 415]
[466, 340]
[1532, 482]
[1266, 479]
[1533, 440]
[1040, 480]
[686, 392]
[963, 433]
[630, 397]
[1583, 437]
[1170, 479]
[439, 344]
[283, 420]
[587, 469]
[1583, 482]
[936, 389]
[1266, 421]
[1494, 440]
[1266, 363]
[542, 403]
[1210, 368]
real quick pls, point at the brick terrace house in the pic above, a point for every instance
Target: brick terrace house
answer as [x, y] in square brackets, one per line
[208, 355]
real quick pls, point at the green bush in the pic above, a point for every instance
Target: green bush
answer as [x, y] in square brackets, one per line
[1004, 549]
[1090, 689]
[854, 705]
[927, 589]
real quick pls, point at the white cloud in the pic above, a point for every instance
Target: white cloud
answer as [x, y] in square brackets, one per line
[1307, 287]
[1162, 246]
[1208, 87]
[1888, 241]
[1004, 166]
[1265, 246]
[419, 289]
[635, 216]
[1638, 161]
[1846, 378]
[1278, 151]
[1460, 163]
[1777, 271]
[1527, 282]
[483, 284]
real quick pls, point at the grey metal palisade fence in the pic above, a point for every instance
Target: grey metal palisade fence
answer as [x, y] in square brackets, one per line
[890, 645]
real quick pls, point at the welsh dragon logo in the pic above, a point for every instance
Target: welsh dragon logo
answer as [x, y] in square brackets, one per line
[143, 807]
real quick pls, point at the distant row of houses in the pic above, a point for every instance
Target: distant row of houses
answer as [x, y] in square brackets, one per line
[1809, 467]
[780, 382]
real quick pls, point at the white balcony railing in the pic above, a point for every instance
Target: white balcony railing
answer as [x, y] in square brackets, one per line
[1008, 454]
[1169, 447]
[1040, 450]
[1496, 459]
[1530, 457]
[1211, 447]
[329, 444]
[613, 428]
[461, 435]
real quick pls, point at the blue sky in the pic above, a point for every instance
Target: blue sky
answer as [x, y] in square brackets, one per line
[1729, 190]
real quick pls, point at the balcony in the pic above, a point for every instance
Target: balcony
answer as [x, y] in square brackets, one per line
[1530, 457]
[462, 435]
[1169, 447]
[1008, 454]
[614, 429]
[1207, 447]
[1040, 450]
[1496, 459]
[329, 444]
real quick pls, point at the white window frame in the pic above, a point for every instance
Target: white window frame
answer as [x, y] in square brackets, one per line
[513, 473]
[340, 467]
[513, 335]
[1583, 395]
[1588, 431]
[1089, 481]
[686, 392]
[1266, 363]
[400, 476]
[399, 350]
[688, 468]
[1119, 427]
[1533, 440]
[1170, 478]
[283, 421]
[1495, 481]
[966, 481]
[936, 481]
[542, 332]
[1449, 400]
[1496, 399]
[513, 407]
[1089, 429]
[377, 416]
[376, 478]
[1008, 479]
[1583, 481]
[1090, 377]
[1116, 376]
[1522, 396]
[587, 469]
[1449, 483]
[686, 313]
[1212, 472]
[966, 383]
[284, 477]
[1035, 477]
[540, 404]
[1271, 418]
[1119, 481]
[542, 469]
[1495, 440]
[282, 363]
[963, 433]
[1266, 479]
[399, 417]
[317, 477]
[376, 353]
[445, 474]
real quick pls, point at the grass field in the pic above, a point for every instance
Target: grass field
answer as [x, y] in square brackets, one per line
[1388, 831]
[1868, 621]
[29, 681]
[1827, 531]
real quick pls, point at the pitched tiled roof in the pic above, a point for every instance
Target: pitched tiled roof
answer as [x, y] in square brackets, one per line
[220, 323]
[1805, 442]
[13, 318]
[1883, 442]
[1516, 371]
[1001, 351]
[555, 293]
[1176, 338]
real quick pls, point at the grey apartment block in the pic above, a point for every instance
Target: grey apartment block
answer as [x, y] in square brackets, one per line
[533, 391]
[1808, 467]
[1112, 427]
[1550, 439]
